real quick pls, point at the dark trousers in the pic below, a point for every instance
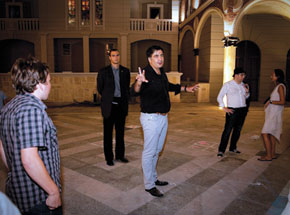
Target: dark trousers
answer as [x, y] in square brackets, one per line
[118, 119]
[42, 209]
[234, 124]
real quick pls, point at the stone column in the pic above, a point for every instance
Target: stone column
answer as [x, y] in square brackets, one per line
[229, 57]
[86, 53]
[43, 48]
[196, 54]
[124, 51]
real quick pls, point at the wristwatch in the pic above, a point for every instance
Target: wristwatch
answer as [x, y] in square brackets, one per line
[270, 101]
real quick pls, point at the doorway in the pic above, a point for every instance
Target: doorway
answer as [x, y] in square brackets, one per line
[248, 56]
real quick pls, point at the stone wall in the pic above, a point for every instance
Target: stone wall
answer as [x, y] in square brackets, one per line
[77, 87]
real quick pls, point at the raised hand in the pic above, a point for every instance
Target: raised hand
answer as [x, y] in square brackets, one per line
[246, 87]
[141, 76]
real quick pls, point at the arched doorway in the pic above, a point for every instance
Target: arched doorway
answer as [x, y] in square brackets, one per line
[10, 50]
[248, 56]
[288, 76]
[139, 58]
[187, 58]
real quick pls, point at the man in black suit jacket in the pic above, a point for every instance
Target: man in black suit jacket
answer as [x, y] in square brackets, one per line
[113, 84]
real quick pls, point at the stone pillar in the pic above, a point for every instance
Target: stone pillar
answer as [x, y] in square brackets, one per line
[196, 54]
[124, 51]
[229, 57]
[86, 53]
[43, 48]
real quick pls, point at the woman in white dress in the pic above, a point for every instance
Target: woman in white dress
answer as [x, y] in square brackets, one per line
[273, 116]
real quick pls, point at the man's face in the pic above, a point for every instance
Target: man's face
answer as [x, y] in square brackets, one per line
[46, 88]
[156, 60]
[240, 77]
[114, 57]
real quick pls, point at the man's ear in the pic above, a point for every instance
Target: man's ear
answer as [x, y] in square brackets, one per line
[39, 86]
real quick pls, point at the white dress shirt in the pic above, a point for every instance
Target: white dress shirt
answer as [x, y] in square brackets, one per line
[236, 95]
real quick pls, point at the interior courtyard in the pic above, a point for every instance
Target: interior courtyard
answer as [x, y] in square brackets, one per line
[203, 41]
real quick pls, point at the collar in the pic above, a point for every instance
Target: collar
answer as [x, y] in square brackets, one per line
[35, 100]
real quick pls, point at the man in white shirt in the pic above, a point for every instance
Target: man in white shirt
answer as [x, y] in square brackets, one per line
[236, 93]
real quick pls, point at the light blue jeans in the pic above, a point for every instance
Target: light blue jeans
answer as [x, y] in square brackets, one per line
[154, 129]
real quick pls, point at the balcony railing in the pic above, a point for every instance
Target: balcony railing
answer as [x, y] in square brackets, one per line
[158, 25]
[19, 24]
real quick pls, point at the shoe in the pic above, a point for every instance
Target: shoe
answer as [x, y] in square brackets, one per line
[154, 192]
[220, 154]
[263, 159]
[161, 183]
[235, 151]
[123, 160]
[110, 163]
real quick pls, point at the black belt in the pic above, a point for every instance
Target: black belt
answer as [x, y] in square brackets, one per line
[236, 108]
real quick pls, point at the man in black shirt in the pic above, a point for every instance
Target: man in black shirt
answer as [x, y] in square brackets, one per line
[152, 85]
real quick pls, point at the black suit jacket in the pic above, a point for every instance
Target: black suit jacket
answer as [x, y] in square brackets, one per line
[106, 87]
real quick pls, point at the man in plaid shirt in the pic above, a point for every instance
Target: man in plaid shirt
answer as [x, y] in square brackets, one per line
[29, 146]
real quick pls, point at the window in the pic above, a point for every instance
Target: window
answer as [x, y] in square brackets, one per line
[71, 11]
[99, 12]
[14, 10]
[85, 12]
[154, 11]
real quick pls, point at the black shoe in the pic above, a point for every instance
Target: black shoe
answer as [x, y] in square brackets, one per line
[235, 151]
[220, 154]
[110, 163]
[154, 192]
[161, 183]
[123, 160]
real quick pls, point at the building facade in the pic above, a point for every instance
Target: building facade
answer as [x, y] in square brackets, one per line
[74, 36]
[218, 35]
[204, 40]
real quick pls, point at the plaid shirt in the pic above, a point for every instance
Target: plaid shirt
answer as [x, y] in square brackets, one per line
[24, 123]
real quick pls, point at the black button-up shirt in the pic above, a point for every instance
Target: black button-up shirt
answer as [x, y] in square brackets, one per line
[154, 94]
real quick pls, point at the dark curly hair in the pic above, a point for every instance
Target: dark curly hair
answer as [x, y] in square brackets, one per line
[152, 49]
[280, 75]
[27, 73]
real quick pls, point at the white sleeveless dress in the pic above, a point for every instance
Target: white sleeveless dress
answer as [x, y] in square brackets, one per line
[273, 115]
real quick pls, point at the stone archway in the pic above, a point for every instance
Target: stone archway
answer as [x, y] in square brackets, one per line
[187, 63]
[248, 56]
[12, 49]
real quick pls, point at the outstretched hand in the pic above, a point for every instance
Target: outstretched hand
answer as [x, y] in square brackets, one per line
[141, 76]
[193, 88]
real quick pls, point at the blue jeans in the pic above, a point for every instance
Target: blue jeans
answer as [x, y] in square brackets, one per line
[154, 130]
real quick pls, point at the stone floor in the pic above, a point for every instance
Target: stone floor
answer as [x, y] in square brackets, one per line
[200, 182]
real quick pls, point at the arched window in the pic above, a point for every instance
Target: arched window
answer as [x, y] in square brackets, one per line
[195, 4]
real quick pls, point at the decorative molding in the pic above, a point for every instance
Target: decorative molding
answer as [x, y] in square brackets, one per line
[195, 13]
